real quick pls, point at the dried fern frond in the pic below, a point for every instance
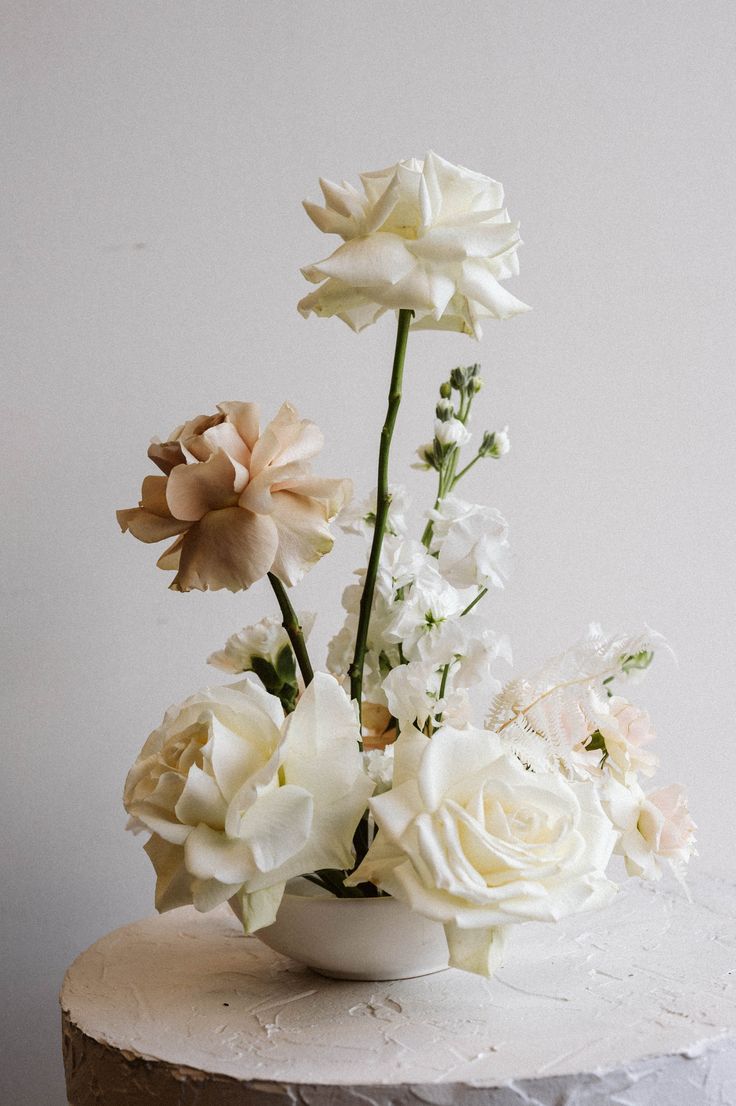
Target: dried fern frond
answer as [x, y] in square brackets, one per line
[559, 698]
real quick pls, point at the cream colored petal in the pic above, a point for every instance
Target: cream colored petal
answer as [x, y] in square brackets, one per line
[303, 535]
[258, 495]
[173, 882]
[354, 307]
[278, 826]
[207, 894]
[370, 262]
[229, 549]
[476, 950]
[201, 801]
[443, 244]
[245, 417]
[452, 756]
[258, 908]
[210, 854]
[477, 283]
[195, 489]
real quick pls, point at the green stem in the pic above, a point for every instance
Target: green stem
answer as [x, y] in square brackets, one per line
[468, 467]
[479, 596]
[383, 502]
[293, 629]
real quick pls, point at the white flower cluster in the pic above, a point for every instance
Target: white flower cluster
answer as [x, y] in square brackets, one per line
[424, 653]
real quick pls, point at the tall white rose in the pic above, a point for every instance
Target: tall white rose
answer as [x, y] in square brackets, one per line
[238, 800]
[472, 839]
[428, 236]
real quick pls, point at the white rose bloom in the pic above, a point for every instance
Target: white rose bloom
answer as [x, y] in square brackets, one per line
[265, 639]
[472, 542]
[360, 518]
[427, 236]
[470, 838]
[238, 800]
[651, 828]
[451, 432]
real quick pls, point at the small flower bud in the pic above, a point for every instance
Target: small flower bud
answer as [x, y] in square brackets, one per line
[457, 379]
[495, 443]
[452, 432]
[476, 384]
[445, 389]
[444, 410]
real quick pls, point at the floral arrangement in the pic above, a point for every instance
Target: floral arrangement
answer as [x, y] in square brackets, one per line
[376, 776]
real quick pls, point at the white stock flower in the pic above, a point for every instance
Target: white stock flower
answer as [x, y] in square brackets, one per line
[429, 603]
[428, 236]
[238, 801]
[360, 518]
[379, 767]
[265, 639]
[471, 839]
[472, 542]
[451, 432]
[411, 692]
[652, 828]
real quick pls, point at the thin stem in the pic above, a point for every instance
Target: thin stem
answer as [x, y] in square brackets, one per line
[468, 467]
[293, 629]
[479, 596]
[383, 502]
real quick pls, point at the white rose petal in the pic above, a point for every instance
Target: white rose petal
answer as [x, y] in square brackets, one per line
[239, 800]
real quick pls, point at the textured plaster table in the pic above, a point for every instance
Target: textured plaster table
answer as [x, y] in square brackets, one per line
[633, 1005]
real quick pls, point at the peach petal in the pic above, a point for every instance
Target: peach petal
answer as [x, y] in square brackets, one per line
[224, 436]
[287, 438]
[149, 527]
[229, 548]
[166, 455]
[169, 559]
[333, 493]
[303, 535]
[204, 486]
[245, 417]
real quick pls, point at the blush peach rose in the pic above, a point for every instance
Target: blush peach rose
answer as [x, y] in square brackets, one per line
[240, 502]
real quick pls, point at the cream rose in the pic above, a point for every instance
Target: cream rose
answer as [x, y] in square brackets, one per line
[427, 235]
[242, 502]
[238, 800]
[472, 839]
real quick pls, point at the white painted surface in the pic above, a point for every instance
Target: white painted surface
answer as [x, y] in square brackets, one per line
[154, 157]
[640, 998]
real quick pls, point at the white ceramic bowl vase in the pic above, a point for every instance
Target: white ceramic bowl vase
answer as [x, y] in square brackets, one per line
[369, 939]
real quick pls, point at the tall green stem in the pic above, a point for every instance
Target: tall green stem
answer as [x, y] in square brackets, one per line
[293, 629]
[383, 502]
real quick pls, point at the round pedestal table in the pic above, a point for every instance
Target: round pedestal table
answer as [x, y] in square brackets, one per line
[633, 1005]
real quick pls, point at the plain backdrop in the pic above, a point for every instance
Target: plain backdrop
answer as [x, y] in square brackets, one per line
[154, 158]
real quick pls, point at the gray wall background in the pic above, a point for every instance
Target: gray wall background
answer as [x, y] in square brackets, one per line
[155, 156]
